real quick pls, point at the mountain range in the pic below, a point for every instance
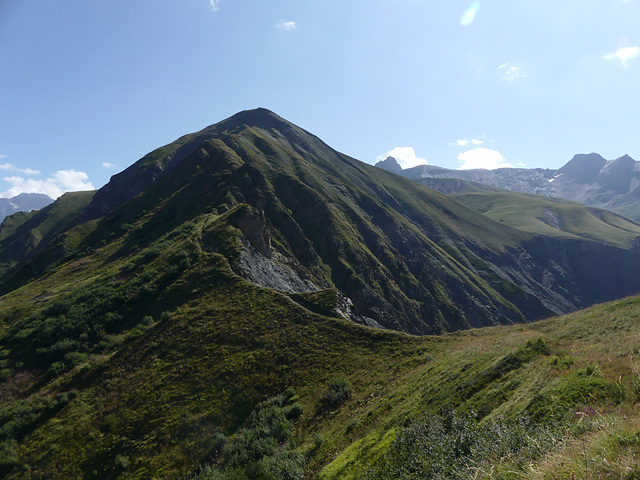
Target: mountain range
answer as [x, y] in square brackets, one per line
[587, 178]
[25, 202]
[247, 302]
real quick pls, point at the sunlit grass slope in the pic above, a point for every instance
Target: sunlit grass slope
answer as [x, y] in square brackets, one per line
[553, 217]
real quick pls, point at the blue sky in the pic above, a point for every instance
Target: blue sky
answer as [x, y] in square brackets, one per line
[87, 87]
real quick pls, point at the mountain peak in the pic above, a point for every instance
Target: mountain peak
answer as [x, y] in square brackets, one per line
[626, 158]
[257, 117]
[390, 164]
[583, 168]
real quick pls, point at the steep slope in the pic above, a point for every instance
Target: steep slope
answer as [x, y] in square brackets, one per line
[586, 178]
[26, 234]
[408, 258]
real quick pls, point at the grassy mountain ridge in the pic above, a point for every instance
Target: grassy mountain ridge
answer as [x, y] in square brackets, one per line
[409, 258]
[151, 322]
[23, 233]
[163, 388]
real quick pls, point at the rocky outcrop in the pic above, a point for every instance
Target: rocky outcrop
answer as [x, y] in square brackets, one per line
[264, 271]
[390, 164]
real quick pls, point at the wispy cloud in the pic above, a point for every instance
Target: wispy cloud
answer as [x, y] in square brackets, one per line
[511, 72]
[406, 157]
[625, 55]
[465, 142]
[108, 165]
[11, 168]
[215, 5]
[482, 158]
[286, 25]
[60, 182]
[469, 15]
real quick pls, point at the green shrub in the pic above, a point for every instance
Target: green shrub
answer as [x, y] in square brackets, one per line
[294, 411]
[318, 441]
[260, 451]
[340, 390]
[8, 456]
[122, 462]
[562, 362]
[452, 447]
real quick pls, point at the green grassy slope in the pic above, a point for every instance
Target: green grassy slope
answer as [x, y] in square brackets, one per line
[553, 217]
[409, 258]
[22, 233]
[131, 341]
[146, 394]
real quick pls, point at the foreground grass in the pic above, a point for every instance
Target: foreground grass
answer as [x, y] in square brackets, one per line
[589, 371]
[193, 349]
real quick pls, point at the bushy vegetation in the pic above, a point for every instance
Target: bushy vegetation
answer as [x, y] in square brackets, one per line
[20, 418]
[338, 392]
[262, 450]
[454, 447]
[97, 318]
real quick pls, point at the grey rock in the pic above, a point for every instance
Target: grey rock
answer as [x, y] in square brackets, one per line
[263, 271]
[390, 164]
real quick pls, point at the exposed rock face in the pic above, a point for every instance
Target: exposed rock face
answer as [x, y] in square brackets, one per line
[582, 168]
[586, 178]
[264, 271]
[346, 308]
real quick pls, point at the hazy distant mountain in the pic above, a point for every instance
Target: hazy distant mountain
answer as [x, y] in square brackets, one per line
[586, 178]
[25, 202]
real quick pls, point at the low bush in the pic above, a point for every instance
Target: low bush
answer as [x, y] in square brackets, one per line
[340, 390]
[262, 449]
[455, 447]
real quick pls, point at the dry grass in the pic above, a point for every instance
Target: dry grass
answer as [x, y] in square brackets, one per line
[609, 450]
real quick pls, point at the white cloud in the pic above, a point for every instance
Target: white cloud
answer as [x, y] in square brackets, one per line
[214, 5]
[2, 156]
[62, 181]
[406, 157]
[286, 25]
[625, 55]
[108, 165]
[464, 142]
[470, 14]
[27, 171]
[482, 158]
[512, 72]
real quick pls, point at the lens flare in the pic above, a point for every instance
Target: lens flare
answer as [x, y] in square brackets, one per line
[470, 15]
